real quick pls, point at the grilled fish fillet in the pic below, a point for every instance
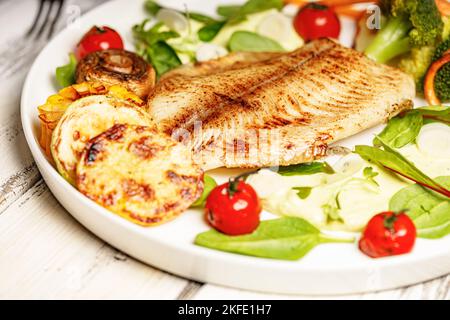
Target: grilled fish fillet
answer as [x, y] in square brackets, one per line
[277, 110]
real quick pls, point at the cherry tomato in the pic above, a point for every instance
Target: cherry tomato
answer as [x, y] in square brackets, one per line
[314, 21]
[98, 38]
[388, 233]
[233, 208]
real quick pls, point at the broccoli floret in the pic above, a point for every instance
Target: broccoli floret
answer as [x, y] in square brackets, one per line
[410, 24]
[416, 64]
[442, 80]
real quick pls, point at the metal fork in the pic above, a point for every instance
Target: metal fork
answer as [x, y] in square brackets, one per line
[18, 53]
[46, 6]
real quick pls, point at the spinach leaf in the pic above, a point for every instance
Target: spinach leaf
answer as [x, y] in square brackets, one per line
[254, 6]
[210, 31]
[200, 18]
[162, 57]
[208, 185]
[152, 7]
[435, 113]
[305, 169]
[150, 36]
[401, 130]
[285, 238]
[429, 211]
[228, 11]
[303, 192]
[394, 161]
[65, 75]
[250, 41]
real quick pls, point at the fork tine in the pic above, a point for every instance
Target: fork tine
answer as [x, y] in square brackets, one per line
[46, 19]
[36, 18]
[55, 18]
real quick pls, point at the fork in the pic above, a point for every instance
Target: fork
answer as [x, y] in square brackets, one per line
[47, 6]
[44, 23]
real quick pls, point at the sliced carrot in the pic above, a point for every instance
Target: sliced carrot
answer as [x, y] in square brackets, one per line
[429, 92]
[444, 7]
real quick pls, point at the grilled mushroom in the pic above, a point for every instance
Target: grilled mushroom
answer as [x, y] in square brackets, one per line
[117, 67]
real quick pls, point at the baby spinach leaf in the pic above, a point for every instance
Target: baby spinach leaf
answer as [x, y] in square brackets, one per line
[429, 211]
[253, 42]
[401, 130]
[65, 75]
[208, 185]
[200, 18]
[303, 192]
[305, 169]
[228, 11]
[162, 57]
[435, 113]
[209, 32]
[254, 6]
[286, 238]
[152, 7]
[394, 161]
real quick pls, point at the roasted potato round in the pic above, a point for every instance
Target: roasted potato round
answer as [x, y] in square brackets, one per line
[85, 119]
[140, 174]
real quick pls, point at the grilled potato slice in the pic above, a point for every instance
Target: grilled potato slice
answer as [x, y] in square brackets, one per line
[85, 119]
[140, 174]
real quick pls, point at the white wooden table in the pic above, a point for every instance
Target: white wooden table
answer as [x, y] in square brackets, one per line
[45, 253]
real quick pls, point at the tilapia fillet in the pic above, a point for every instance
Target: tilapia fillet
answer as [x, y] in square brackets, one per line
[277, 109]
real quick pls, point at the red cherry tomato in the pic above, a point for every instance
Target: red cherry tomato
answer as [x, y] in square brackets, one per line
[314, 21]
[98, 38]
[233, 208]
[387, 234]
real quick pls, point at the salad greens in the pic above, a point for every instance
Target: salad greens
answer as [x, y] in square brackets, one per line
[429, 211]
[285, 238]
[305, 169]
[394, 161]
[370, 174]
[235, 14]
[65, 75]
[209, 185]
[303, 192]
[435, 113]
[253, 42]
[151, 44]
[401, 130]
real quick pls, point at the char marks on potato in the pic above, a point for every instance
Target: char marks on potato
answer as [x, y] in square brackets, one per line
[140, 174]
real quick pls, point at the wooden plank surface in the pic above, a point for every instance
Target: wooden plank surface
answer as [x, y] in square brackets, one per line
[45, 253]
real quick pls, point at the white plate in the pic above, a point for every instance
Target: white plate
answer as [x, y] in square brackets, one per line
[327, 269]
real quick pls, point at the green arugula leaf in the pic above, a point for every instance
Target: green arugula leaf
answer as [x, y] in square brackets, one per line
[305, 169]
[209, 32]
[208, 185]
[303, 192]
[65, 75]
[429, 211]
[401, 130]
[253, 42]
[286, 238]
[394, 161]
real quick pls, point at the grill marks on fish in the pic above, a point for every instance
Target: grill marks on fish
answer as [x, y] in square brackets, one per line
[301, 100]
